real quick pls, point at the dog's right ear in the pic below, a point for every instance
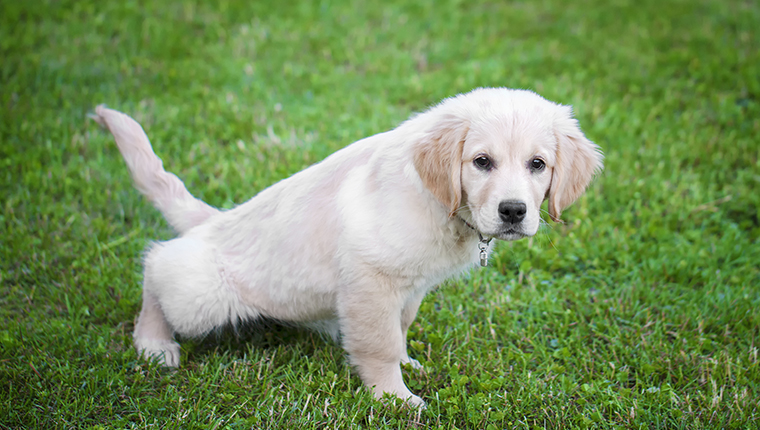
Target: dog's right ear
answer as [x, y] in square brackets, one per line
[438, 160]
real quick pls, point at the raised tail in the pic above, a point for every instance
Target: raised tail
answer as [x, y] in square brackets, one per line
[165, 190]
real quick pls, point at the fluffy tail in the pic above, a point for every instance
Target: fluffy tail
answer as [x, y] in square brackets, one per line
[163, 189]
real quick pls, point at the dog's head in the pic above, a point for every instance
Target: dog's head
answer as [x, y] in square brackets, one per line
[492, 156]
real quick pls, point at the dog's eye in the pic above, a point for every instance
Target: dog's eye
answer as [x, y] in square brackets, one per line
[483, 162]
[537, 165]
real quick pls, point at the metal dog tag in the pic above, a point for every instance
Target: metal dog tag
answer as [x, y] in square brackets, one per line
[483, 246]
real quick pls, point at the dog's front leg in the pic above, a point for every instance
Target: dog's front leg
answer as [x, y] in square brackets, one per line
[407, 317]
[370, 318]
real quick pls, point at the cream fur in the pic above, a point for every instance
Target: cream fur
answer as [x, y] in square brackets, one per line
[351, 245]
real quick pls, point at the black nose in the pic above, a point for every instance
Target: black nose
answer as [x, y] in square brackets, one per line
[512, 211]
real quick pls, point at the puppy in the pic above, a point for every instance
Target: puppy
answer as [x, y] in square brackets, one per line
[352, 244]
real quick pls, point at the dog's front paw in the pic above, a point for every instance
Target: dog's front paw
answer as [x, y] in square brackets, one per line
[166, 352]
[406, 399]
[417, 402]
[414, 364]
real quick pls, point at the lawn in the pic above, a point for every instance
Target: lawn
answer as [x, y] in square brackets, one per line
[640, 311]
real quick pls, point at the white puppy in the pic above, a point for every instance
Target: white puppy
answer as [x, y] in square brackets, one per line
[352, 244]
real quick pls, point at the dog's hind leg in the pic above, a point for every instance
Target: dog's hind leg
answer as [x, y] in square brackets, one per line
[185, 291]
[153, 335]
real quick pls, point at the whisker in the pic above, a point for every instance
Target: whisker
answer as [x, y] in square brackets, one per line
[543, 220]
[545, 224]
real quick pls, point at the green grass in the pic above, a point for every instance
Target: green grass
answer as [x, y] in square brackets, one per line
[640, 312]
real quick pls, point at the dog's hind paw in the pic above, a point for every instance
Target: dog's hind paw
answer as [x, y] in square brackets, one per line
[165, 352]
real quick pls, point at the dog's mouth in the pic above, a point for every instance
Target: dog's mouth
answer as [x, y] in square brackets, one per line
[512, 233]
[505, 231]
[508, 233]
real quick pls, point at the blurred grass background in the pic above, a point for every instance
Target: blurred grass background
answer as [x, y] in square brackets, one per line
[639, 312]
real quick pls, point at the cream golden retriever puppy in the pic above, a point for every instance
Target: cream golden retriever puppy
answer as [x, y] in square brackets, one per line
[352, 244]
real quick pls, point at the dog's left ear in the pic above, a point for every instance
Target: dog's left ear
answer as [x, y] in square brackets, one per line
[578, 160]
[438, 160]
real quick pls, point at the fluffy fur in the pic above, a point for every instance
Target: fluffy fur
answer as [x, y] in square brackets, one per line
[352, 244]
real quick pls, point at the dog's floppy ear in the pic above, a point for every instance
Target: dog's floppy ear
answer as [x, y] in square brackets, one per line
[438, 160]
[578, 160]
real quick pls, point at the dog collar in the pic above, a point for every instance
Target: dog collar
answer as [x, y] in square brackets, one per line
[482, 245]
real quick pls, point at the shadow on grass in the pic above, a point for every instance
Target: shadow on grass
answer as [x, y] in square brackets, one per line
[242, 341]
